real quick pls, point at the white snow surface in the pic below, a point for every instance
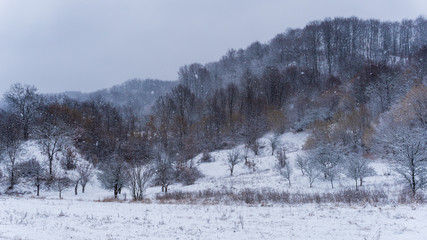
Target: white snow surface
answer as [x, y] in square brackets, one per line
[85, 216]
[26, 218]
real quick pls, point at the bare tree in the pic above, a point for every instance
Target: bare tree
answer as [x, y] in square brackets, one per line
[69, 158]
[51, 137]
[407, 150]
[328, 161]
[10, 145]
[74, 180]
[284, 165]
[301, 162]
[233, 158]
[85, 171]
[24, 101]
[61, 181]
[139, 177]
[311, 169]
[113, 174]
[357, 168]
[32, 170]
[164, 170]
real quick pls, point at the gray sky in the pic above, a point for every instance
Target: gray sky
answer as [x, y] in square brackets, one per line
[85, 45]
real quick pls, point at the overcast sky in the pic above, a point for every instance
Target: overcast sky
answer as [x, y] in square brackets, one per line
[85, 45]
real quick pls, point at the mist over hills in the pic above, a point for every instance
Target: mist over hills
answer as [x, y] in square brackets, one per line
[138, 94]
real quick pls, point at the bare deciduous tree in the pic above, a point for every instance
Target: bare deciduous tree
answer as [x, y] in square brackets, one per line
[407, 151]
[140, 176]
[34, 171]
[85, 171]
[113, 174]
[24, 101]
[357, 168]
[10, 145]
[284, 165]
[233, 158]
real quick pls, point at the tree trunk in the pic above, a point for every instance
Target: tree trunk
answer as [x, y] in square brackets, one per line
[12, 178]
[361, 181]
[38, 190]
[83, 188]
[50, 165]
[75, 188]
[356, 183]
[60, 196]
[115, 191]
[332, 183]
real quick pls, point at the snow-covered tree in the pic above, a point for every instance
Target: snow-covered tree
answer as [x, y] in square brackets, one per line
[407, 153]
[328, 161]
[357, 168]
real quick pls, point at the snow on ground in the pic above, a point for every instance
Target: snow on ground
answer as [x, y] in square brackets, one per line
[26, 218]
[217, 176]
[83, 216]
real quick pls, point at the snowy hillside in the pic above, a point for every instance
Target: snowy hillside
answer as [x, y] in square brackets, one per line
[216, 175]
[92, 215]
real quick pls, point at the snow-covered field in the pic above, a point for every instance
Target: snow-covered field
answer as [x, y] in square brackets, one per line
[24, 218]
[86, 216]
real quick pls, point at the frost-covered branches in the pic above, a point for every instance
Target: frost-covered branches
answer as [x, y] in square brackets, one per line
[357, 168]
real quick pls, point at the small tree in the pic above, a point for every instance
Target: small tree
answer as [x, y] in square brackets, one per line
[69, 159]
[85, 172]
[74, 180]
[206, 157]
[301, 163]
[10, 145]
[139, 177]
[328, 161]
[60, 181]
[51, 139]
[32, 170]
[113, 174]
[311, 170]
[357, 168]
[408, 154]
[233, 158]
[284, 165]
[282, 159]
[274, 142]
[164, 170]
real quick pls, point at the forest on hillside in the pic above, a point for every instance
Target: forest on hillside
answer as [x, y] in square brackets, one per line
[358, 86]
